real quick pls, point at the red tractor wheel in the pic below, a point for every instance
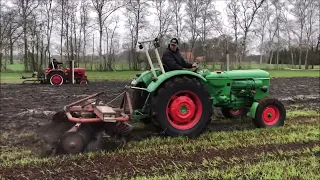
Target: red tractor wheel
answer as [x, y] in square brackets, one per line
[56, 79]
[182, 106]
[184, 110]
[269, 113]
[84, 81]
[234, 113]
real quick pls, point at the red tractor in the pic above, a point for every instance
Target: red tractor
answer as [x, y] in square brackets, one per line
[60, 75]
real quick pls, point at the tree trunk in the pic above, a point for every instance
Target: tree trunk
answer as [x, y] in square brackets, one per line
[277, 58]
[11, 50]
[292, 58]
[61, 36]
[25, 46]
[306, 60]
[271, 57]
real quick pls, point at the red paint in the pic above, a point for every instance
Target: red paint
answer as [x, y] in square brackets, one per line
[56, 79]
[236, 112]
[192, 104]
[90, 120]
[275, 115]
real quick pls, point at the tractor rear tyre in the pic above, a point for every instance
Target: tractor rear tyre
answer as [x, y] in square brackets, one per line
[56, 78]
[270, 113]
[234, 113]
[182, 107]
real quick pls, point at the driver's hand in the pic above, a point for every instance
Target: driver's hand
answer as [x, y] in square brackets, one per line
[195, 65]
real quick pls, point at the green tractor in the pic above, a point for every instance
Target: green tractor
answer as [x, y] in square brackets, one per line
[178, 103]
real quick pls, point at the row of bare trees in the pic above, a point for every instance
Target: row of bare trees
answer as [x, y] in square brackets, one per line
[100, 33]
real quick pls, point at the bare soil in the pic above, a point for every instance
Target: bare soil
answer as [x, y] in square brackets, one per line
[25, 108]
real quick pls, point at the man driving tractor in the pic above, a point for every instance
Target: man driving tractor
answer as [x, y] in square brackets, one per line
[54, 64]
[172, 59]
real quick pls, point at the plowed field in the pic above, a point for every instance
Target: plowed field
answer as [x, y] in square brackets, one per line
[230, 149]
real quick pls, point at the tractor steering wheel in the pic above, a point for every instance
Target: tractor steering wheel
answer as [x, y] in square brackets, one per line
[61, 67]
[195, 69]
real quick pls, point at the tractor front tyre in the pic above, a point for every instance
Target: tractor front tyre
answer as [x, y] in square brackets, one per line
[234, 113]
[270, 113]
[84, 81]
[56, 79]
[182, 107]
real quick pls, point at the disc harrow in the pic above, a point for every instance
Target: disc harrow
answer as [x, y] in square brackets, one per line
[73, 129]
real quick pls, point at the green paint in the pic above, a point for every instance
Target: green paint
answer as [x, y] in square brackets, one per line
[253, 109]
[183, 109]
[153, 85]
[233, 89]
[138, 115]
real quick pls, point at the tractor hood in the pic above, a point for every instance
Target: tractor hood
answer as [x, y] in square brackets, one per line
[82, 70]
[237, 74]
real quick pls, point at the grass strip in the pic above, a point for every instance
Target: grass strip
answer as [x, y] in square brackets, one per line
[303, 167]
[223, 139]
[217, 140]
[14, 77]
[214, 139]
[153, 163]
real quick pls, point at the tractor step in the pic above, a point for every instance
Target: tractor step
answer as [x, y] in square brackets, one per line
[105, 113]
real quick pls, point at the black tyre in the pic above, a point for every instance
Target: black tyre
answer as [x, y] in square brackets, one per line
[234, 113]
[270, 113]
[182, 106]
[84, 81]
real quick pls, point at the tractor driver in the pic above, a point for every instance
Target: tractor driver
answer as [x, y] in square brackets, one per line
[54, 64]
[172, 59]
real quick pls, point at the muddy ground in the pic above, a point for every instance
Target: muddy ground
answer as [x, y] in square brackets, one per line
[25, 108]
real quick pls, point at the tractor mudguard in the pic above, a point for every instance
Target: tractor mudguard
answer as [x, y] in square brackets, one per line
[253, 109]
[163, 77]
[145, 77]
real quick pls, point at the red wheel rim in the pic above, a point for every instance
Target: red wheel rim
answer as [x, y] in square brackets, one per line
[56, 79]
[270, 115]
[184, 110]
[236, 112]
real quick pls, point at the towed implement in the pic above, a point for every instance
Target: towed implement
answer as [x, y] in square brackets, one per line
[178, 103]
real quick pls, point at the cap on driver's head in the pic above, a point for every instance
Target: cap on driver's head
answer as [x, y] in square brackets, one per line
[174, 41]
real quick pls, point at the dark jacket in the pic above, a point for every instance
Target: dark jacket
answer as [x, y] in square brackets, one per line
[55, 64]
[173, 60]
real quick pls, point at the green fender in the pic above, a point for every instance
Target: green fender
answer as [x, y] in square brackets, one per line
[253, 110]
[163, 77]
